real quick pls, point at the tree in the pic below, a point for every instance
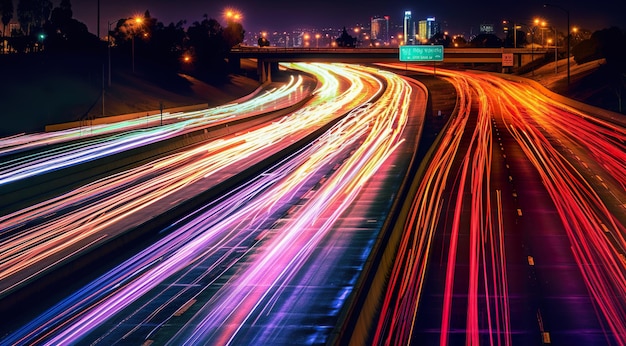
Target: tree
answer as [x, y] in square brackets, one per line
[207, 42]
[345, 40]
[441, 39]
[233, 34]
[65, 33]
[65, 9]
[6, 14]
[263, 42]
[32, 14]
[510, 39]
[459, 41]
[609, 44]
[167, 45]
[486, 41]
[612, 46]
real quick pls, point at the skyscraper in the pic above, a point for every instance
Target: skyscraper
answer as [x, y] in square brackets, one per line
[428, 28]
[409, 32]
[380, 29]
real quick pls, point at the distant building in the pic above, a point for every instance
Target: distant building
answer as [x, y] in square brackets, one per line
[379, 29]
[487, 28]
[409, 28]
[428, 28]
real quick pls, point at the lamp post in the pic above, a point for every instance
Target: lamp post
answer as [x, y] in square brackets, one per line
[317, 40]
[138, 20]
[543, 28]
[532, 46]
[568, 38]
[109, 51]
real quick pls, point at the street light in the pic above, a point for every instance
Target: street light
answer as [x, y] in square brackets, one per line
[515, 27]
[109, 51]
[138, 20]
[543, 27]
[568, 38]
[232, 15]
[317, 40]
[532, 46]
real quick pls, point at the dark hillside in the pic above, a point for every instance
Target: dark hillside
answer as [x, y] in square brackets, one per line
[49, 88]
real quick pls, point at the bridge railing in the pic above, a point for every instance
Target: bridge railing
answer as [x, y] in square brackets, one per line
[382, 50]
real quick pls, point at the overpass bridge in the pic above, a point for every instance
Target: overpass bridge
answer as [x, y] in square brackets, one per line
[268, 57]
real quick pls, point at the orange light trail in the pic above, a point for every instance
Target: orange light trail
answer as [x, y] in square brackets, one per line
[584, 213]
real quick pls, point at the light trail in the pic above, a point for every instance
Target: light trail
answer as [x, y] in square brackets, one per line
[596, 235]
[108, 139]
[254, 291]
[123, 197]
[364, 140]
[103, 203]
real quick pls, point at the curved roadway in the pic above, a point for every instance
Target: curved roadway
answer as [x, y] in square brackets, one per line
[517, 231]
[259, 246]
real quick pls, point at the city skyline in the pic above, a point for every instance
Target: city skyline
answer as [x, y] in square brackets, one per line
[455, 16]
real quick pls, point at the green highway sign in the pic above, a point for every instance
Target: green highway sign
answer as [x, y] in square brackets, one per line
[421, 53]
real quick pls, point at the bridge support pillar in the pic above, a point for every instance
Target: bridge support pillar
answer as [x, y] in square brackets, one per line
[264, 70]
[274, 67]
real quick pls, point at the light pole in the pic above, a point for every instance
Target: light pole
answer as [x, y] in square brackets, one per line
[317, 40]
[138, 20]
[543, 28]
[109, 51]
[532, 47]
[568, 38]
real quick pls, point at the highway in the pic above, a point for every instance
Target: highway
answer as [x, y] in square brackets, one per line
[89, 143]
[43, 234]
[513, 233]
[516, 231]
[297, 201]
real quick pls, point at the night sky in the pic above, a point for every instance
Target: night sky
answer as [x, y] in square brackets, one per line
[456, 16]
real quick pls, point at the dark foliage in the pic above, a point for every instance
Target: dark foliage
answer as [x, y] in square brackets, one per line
[345, 40]
[156, 49]
[33, 14]
[510, 41]
[459, 41]
[441, 39]
[609, 44]
[207, 44]
[486, 41]
[263, 42]
[65, 34]
[6, 14]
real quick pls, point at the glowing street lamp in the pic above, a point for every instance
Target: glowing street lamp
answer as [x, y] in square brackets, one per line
[138, 21]
[232, 15]
[317, 40]
[543, 27]
[532, 44]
